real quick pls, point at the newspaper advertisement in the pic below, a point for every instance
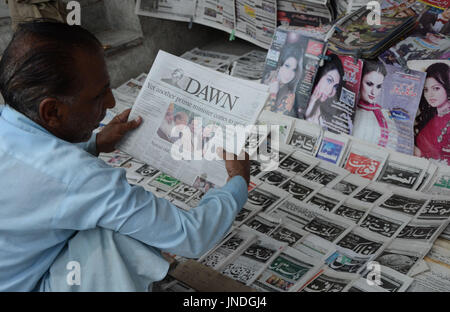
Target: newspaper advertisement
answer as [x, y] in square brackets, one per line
[196, 100]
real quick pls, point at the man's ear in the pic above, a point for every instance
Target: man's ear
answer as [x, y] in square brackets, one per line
[52, 112]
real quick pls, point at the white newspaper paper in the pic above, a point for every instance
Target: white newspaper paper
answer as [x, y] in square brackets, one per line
[175, 94]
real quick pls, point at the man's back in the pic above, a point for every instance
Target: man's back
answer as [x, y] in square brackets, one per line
[32, 186]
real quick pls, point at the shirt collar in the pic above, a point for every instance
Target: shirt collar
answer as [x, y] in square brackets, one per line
[21, 121]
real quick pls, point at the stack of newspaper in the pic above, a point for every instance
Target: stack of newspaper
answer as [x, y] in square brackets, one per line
[252, 20]
[249, 66]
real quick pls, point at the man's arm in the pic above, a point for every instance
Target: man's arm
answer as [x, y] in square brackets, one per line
[102, 197]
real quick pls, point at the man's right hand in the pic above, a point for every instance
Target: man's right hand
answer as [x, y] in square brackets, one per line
[235, 166]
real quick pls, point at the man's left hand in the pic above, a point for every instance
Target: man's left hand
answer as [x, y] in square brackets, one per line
[113, 132]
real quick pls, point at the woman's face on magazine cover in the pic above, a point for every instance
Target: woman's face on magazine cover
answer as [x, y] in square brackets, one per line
[371, 86]
[328, 84]
[434, 92]
[287, 70]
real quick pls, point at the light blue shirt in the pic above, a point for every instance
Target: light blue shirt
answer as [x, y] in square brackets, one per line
[49, 189]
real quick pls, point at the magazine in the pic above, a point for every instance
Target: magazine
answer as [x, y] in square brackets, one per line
[291, 66]
[418, 47]
[436, 19]
[198, 99]
[356, 36]
[388, 106]
[335, 94]
[432, 127]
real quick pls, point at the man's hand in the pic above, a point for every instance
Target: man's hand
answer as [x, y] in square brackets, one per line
[234, 166]
[113, 132]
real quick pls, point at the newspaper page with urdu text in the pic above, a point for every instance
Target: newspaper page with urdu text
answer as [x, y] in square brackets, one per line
[186, 108]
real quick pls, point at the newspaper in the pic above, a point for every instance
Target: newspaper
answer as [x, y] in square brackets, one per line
[403, 258]
[365, 160]
[329, 280]
[251, 262]
[394, 281]
[265, 197]
[227, 249]
[437, 279]
[333, 148]
[285, 123]
[325, 174]
[361, 285]
[306, 137]
[298, 163]
[218, 14]
[384, 222]
[300, 188]
[291, 66]
[328, 226]
[290, 268]
[256, 20]
[179, 10]
[325, 199]
[353, 210]
[440, 184]
[437, 208]
[249, 66]
[350, 185]
[405, 201]
[404, 171]
[422, 231]
[168, 100]
[210, 59]
[372, 193]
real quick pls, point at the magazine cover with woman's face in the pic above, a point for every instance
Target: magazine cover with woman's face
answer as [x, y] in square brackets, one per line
[432, 128]
[389, 99]
[291, 66]
[334, 96]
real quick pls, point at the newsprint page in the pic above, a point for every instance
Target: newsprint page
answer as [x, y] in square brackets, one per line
[185, 106]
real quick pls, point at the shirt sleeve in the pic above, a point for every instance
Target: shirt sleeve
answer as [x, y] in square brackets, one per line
[90, 146]
[102, 197]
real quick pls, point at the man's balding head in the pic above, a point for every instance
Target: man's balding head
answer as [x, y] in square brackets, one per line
[40, 62]
[54, 74]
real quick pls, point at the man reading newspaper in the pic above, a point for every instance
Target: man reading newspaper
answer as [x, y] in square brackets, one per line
[69, 222]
